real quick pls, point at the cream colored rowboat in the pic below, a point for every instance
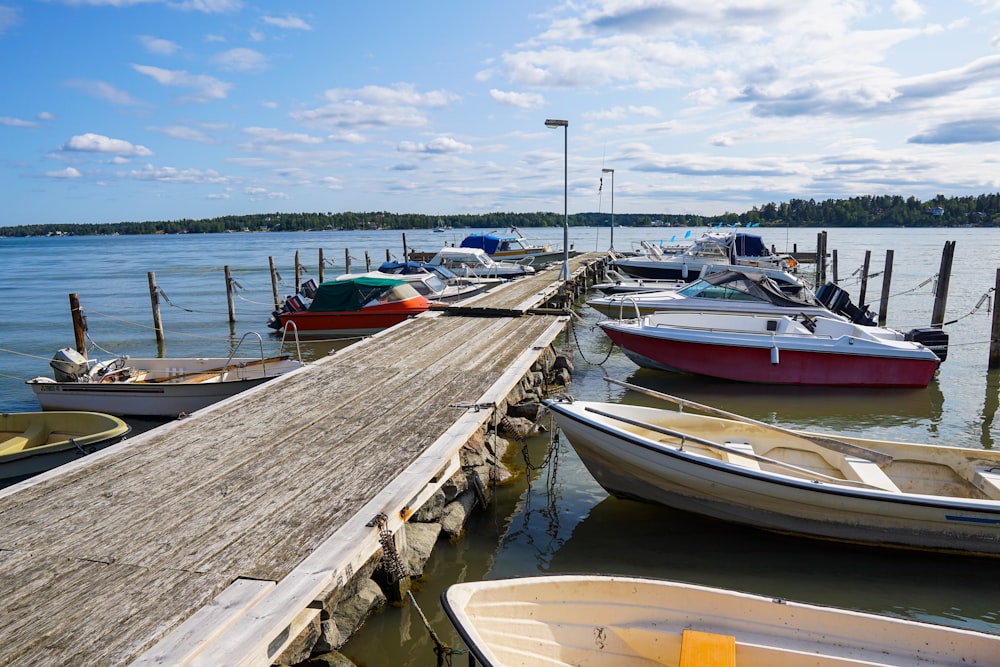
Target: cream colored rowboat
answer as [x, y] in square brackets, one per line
[610, 621]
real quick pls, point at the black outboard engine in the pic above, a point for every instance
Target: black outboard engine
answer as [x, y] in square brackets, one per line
[934, 339]
[837, 300]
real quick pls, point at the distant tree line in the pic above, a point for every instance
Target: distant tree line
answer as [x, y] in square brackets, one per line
[865, 211]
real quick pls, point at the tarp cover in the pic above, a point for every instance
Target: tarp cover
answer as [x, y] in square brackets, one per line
[749, 245]
[754, 284]
[350, 295]
[487, 242]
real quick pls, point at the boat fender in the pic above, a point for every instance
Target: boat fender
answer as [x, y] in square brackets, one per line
[774, 355]
[684, 270]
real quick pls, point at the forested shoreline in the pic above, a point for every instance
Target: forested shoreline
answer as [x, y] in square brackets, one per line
[866, 211]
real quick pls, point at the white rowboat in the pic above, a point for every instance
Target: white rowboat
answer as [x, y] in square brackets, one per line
[612, 621]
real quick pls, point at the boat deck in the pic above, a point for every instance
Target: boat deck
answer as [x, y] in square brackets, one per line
[265, 498]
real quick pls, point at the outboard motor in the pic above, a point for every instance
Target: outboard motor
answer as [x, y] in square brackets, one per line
[837, 300]
[68, 365]
[934, 339]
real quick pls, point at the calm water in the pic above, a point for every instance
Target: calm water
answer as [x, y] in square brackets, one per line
[556, 519]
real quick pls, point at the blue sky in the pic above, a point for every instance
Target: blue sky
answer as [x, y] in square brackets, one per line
[124, 110]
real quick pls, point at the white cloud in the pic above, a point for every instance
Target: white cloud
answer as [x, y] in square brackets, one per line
[98, 143]
[519, 100]
[241, 60]
[185, 133]
[907, 10]
[68, 172]
[374, 107]
[438, 145]
[16, 122]
[104, 91]
[161, 47]
[206, 88]
[289, 22]
[175, 175]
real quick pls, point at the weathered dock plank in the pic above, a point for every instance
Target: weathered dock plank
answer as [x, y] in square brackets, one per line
[106, 557]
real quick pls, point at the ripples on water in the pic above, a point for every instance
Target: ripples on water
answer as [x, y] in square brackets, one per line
[558, 519]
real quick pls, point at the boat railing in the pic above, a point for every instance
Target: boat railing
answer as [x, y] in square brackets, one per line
[635, 304]
[260, 340]
[284, 334]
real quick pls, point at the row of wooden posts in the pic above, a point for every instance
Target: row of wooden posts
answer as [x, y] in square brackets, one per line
[937, 313]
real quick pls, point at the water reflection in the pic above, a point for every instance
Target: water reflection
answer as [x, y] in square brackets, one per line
[676, 545]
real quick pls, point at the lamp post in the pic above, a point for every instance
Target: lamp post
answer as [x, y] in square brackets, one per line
[612, 172]
[553, 123]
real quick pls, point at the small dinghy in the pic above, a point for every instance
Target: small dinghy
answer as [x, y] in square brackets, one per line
[33, 442]
[617, 621]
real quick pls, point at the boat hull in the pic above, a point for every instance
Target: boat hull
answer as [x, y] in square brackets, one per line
[364, 322]
[772, 360]
[68, 436]
[617, 621]
[630, 466]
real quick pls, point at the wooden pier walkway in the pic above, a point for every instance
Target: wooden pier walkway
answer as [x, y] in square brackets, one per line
[207, 541]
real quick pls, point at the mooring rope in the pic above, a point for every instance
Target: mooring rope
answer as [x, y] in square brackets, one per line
[441, 650]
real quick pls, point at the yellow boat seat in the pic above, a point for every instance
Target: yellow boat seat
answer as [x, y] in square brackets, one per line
[36, 434]
[707, 649]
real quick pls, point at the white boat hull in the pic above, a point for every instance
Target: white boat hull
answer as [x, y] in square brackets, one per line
[617, 621]
[634, 465]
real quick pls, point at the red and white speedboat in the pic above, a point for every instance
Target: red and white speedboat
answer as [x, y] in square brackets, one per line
[780, 349]
[355, 307]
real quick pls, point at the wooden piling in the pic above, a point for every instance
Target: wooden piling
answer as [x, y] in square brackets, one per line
[229, 294]
[833, 265]
[406, 254]
[886, 281]
[994, 362]
[943, 283]
[321, 265]
[368, 261]
[154, 300]
[347, 260]
[298, 272]
[864, 278]
[79, 323]
[274, 283]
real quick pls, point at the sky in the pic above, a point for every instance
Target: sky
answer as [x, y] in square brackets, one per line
[139, 110]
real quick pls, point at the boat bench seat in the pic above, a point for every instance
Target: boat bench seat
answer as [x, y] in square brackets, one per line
[36, 434]
[738, 459]
[868, 472]
[707, 649]
[987, 480]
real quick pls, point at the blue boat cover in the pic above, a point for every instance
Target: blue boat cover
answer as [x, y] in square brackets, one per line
[749, 245]
[488, 242]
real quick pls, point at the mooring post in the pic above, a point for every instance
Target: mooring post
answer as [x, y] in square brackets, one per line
[321, 262]
[154, 300]
[864, 278]
[995, 329]
[79, 323]
[347, 260]
[274, 282]
[943, 283]
[406, 255]
[368, 261]
[833, 265]
[886, 280]
[229, 295]
[298, 272]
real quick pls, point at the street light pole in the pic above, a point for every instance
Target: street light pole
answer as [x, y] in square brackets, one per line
[564, 124]
[612, 172]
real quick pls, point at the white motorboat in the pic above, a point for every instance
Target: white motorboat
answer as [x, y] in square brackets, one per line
[881, 493]
[476, 262]
[717, 247]
[155, 387]
[780, 349]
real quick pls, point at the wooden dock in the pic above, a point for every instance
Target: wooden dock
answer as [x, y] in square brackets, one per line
[207, 541]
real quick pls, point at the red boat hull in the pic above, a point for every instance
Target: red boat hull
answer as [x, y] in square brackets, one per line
[754, 364]
[366, 321]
